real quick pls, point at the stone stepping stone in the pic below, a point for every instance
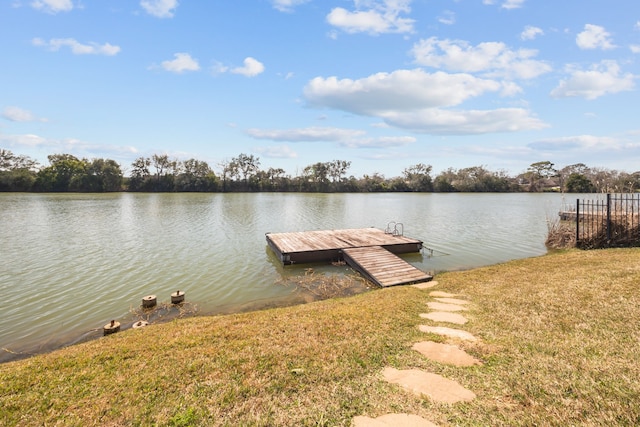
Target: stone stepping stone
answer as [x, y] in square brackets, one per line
[457, 301]
[442, 316]
[440, 306]
[448, 332]
[436, 387]
[441, 294]
[426, 285]
[445, 353]
[392, 420]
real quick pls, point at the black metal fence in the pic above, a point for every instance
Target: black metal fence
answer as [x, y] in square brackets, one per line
[611, 221]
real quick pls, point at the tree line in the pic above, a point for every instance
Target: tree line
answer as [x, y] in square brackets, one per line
[160, 173]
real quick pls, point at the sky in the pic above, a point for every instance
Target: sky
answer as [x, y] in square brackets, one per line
[384, 84]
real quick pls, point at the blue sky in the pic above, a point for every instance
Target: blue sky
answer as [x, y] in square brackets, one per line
[384, 84]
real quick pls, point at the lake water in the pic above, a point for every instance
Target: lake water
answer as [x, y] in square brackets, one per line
[69, 263]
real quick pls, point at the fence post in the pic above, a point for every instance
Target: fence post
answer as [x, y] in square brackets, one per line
[577, 221]
[608, 219]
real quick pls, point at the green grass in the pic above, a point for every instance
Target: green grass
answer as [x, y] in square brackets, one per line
[559, 339]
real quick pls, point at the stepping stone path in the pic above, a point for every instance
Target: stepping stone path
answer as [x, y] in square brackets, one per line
[448, 332]
[452, 301]
[445, 353]
[437, 388]
[426, 285]
[441, 306]
[442, 316]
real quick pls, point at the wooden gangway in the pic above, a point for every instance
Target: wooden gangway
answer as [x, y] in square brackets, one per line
[382, 267]
[370, 251]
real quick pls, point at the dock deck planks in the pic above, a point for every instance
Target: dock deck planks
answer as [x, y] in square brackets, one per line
[368, 250]
[382, 267]
[325, 245]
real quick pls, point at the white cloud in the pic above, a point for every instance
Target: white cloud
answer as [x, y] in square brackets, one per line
[439, 121]
[506, 4]
[512, 4]
[182, 62]
[373, 17]
[635, 48]
[578, 142]
[277, 152]
[251, 68]
[380, 142]
[52, 6]
[403, 90]
[416, 100]
[17, 114]
[531, 32]
[25, 140]
[69, 145]
[602, 79]
[350, 138]
[309, 134]
[493, 58]
[594, 37]
[287, 5]
[447, 17]
[78, 48]
[160, 8]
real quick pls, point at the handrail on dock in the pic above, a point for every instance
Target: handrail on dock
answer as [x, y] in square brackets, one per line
[395, 231]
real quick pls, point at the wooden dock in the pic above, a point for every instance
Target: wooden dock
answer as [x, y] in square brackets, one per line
[368, 250]
[382, 267]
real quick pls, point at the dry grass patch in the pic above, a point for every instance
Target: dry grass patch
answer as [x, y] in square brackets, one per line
[559, 342]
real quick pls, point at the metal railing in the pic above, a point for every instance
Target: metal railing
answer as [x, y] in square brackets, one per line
[611, 221]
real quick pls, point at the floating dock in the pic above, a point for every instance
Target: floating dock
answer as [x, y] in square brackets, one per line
[368, 250]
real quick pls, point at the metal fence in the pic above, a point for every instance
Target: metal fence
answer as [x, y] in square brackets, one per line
[611, 221]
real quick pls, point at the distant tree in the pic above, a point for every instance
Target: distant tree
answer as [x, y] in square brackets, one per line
[273, 179]
[538, 172]
[418, 177]
[373, 183]
[629, 182]
[166, 169]
[246, 165]
[6, 160]
[66, 173]
[140, 174]
[337, 171]
[443, 183]
[196, 175]
[17, 173]
[604, 180]
[316, 177]
[578, 183]
[102, 175]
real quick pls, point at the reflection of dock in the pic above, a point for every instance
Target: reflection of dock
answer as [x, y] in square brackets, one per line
[368, 250]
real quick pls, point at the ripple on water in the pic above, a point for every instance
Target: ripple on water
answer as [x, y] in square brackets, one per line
[71, 263]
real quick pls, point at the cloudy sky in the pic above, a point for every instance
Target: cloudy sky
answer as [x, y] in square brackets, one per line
[384, 84]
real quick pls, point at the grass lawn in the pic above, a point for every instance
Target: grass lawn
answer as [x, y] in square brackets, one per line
[559, 336]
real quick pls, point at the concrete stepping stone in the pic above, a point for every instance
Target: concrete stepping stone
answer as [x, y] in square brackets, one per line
[392, 420]
[448, 332]
[436, 387]
[442, 294]
[443, 316]
[440, 306]
[426, 285]
[457, 301]
[445, 353]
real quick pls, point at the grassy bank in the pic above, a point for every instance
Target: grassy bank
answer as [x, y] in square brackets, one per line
[559, 338]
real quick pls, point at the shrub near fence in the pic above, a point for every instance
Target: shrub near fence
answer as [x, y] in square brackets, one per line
[613, 221]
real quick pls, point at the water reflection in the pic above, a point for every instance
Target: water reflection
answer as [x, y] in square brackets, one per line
[72, 262]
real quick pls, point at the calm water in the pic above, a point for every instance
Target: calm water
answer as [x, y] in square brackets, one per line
[69, 263]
